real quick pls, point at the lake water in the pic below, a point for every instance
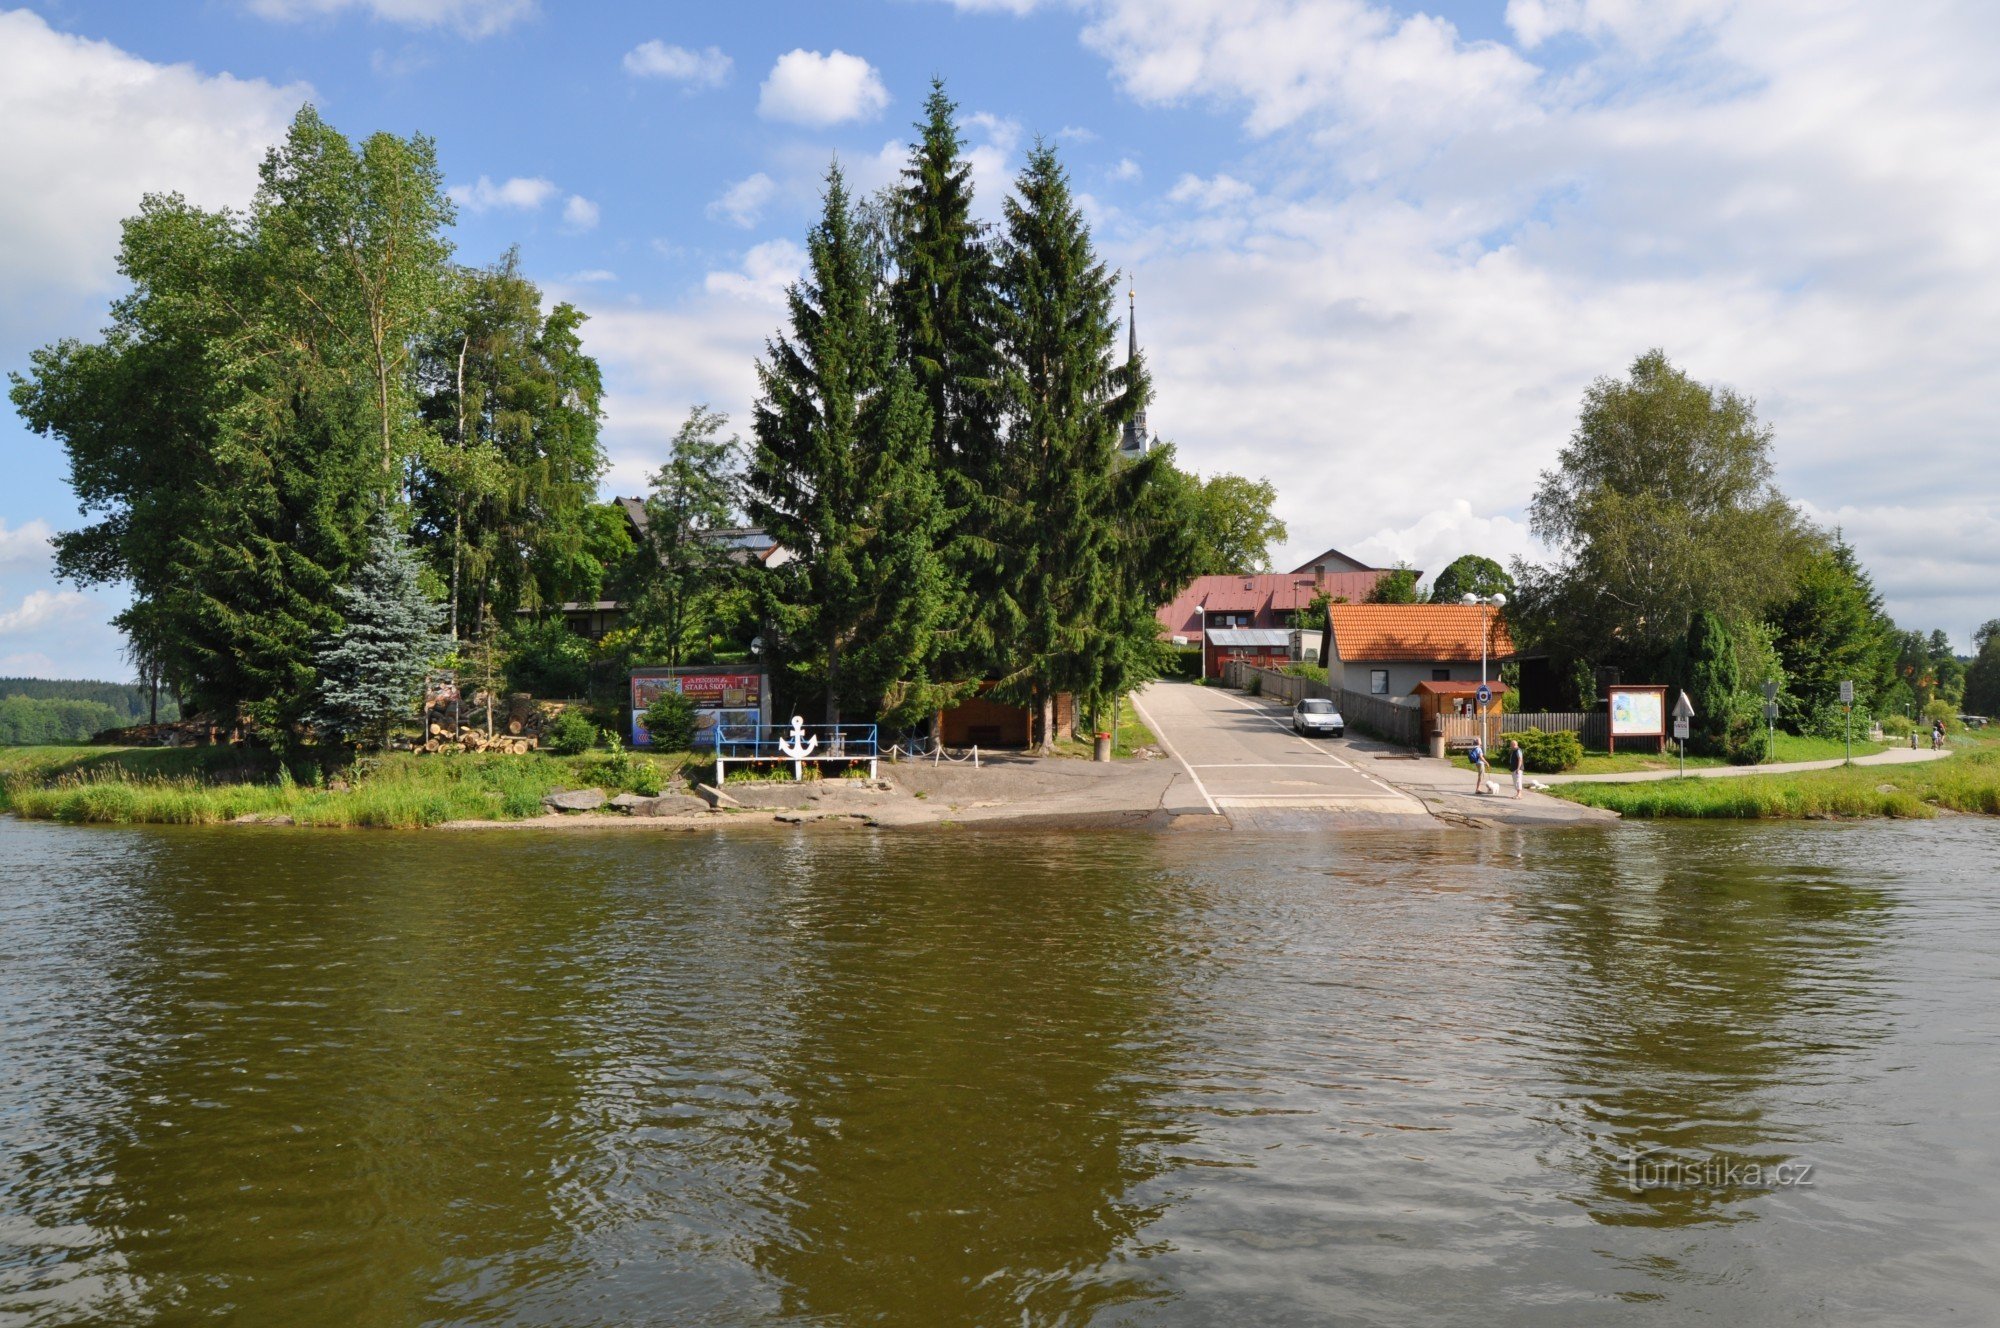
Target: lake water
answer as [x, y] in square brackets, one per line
[296, 1078]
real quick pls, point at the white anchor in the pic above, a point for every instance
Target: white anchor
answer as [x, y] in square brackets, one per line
[798, 747]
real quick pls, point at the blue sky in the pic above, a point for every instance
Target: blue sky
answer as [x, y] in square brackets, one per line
[1381, 249]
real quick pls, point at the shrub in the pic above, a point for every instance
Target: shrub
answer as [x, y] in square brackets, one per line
[547, 659]
[1896, 726]
[1945, 711]
[1255, 687]
[570, 734]
[669, 722]
[1549, 753]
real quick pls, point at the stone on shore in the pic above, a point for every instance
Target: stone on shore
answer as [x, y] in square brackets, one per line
[574, 800]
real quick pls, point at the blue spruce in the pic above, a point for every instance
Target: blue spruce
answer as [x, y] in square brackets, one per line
[371, 671]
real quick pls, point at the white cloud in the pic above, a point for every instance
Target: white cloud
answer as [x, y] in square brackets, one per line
[44, 608]
[1126, 171]
[1433, 540]
[767, 270]
[90, 129]
[27, 664]
[28, 543]
[694, 70]
[743, 203]
[580, 214]
[662, 361]
[808, 88]
[519, 194]
[1221, 191]
[591, 276]
[472, 18]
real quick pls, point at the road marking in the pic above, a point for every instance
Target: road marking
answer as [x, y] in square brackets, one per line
[1265, 765]
[1160, 735]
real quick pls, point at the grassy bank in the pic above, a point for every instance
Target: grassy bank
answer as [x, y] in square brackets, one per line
[213, 785]
[1789, 747]
[1968, 782]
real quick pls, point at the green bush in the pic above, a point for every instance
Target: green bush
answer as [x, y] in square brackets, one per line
[547, 659]
[1255, 687]
[570, 734]
[669, 722]
[1548, 753]
[1945, 711]
[1896, 726]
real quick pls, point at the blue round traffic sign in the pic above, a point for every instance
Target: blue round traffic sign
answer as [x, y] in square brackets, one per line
[1484, 694]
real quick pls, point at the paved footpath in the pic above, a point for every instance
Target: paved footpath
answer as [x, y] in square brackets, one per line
[1238, 757]
[1894, 756]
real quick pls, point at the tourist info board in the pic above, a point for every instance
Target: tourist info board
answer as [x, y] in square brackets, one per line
[1638, 712]
[722, 695]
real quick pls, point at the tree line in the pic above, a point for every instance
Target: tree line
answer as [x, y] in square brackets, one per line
[277, 379]
[1678, 559]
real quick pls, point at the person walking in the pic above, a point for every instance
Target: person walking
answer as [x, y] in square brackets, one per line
[1478, 757]
[1937, 735]
[1517, 761]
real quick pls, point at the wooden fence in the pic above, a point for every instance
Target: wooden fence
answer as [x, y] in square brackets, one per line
[1398, 720]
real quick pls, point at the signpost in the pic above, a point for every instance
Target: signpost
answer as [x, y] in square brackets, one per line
[1847, 710]
[1770, 719]
[1683, 712]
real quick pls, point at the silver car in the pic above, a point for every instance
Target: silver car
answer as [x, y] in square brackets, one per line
[1316, 717]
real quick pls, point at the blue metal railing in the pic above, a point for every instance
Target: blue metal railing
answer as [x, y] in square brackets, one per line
[828, 742]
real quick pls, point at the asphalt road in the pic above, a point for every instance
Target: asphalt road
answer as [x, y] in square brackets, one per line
[1239, 758]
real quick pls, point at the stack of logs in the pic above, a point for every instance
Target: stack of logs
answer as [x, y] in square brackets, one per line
[517, 722]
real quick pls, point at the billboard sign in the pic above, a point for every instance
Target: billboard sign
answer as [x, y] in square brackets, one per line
[1638, 712]
[721, 694]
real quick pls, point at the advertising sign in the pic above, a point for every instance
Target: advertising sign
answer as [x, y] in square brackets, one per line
[1638, 712]
[721, 695]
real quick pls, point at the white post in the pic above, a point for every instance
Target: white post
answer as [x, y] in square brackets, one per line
[1485, 624]
[975, 756]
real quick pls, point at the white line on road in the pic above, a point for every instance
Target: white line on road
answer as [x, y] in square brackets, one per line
[1160, 736]
[1263, 713]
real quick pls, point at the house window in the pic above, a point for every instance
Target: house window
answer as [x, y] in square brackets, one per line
[1440, 675]
[1378, 682]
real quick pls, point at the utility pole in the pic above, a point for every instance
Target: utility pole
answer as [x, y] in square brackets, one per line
[1493, 604]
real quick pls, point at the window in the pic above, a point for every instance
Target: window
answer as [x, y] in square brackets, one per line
[1378, 682]
[1440, 675]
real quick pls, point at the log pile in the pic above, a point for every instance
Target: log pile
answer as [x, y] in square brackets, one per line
[518, 723]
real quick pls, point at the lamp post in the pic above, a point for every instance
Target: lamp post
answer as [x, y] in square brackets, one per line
[1201, 629]
[1494, 601]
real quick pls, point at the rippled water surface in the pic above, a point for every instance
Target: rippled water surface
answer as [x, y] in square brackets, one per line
[317, 1078]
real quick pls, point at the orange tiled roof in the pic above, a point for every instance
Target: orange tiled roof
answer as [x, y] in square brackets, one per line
[1265, 594]
[1415, 632]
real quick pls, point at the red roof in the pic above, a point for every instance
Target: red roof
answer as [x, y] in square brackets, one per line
[1416, 633]
[1430, 688]
[1266, 595]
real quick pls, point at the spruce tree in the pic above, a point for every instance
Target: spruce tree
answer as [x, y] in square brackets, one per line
[1712, 681]
[370, 672]
[841, 474]
[1058, 582]
[942, 296]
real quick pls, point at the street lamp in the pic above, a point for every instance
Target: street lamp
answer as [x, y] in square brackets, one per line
[1494, 601]
[1201, 629]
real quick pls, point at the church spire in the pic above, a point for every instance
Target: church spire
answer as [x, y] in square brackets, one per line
[1133, 442]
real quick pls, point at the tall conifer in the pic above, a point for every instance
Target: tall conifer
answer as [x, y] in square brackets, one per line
[942, 296]
[371, 671]
[842, 475]
[1058, 567]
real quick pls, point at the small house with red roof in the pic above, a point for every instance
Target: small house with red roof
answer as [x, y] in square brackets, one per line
[1389, 650]
[1252, 617]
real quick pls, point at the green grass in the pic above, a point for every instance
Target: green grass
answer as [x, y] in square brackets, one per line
[213, 785]
[1966, 782]
[1131, 735]
[1789, 747]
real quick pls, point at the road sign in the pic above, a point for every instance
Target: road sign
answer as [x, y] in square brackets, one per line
[1485, 695]
[1770, 690]
[1770, 710]
[1684, 708]
[1681, 729]
[1847, 693]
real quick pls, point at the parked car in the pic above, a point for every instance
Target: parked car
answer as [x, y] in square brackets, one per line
[1316, 717]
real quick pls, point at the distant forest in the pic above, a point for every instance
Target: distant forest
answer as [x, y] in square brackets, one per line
[41, 710]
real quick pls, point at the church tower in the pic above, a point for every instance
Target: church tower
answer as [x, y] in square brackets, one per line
[1134, 443]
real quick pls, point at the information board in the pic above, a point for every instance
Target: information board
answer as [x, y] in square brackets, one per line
[722, 696]
[1638, 712]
